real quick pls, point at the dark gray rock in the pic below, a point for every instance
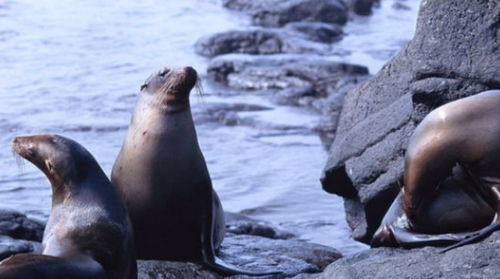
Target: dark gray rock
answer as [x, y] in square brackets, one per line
[173, 270]
[17, 225]
[301, 80]
[361, 7]
[317, 31]
[19, 234]
[257, 41]
[240, 224]
[225, 113]
[278, 71]
[10, 246]
[275, 13]
[472, 261]
[294, 95]
[244, 248]
[252, 253]
[453, 54]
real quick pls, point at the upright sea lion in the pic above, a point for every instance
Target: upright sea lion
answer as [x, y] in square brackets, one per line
[452, 178]
[88, 234]
[163, 177]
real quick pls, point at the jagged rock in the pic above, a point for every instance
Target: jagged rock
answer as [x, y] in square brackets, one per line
[225, 113]
[361, 7]
[453, 54]
[19, 234]
[317, 31]
[240, 224]
[252, 253]
[10, 246]
[17, 225]
[278, 71]
[275, 13]
[244, 248]
[471, 261]
[257, 41]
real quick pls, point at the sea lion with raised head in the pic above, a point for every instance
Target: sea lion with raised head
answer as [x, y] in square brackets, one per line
[164, 179]
[88, 234]
[452, 178]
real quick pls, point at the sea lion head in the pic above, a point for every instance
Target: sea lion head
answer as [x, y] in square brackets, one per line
[170, 88]
[61, 159]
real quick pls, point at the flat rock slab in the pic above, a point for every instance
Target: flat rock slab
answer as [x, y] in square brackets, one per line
[274, 13]
[17, 225]
[251, 253]
[10, 246]
[480, 260]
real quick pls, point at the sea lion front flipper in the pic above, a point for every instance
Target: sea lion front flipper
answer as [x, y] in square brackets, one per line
[35, 266]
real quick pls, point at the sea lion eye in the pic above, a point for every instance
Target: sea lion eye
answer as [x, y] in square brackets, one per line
[31, 151]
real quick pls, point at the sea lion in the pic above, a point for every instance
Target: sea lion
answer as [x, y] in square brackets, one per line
[88, 234]
[452, 178]
[164, 179]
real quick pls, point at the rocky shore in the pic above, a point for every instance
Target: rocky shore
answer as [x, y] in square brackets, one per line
[249, 244]
[258, 246]
[365, 122]
[453, 54]
[288, 55]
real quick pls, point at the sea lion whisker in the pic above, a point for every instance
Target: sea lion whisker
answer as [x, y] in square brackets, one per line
[19, 161]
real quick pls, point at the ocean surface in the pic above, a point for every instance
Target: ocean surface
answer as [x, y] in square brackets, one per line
[74, 68]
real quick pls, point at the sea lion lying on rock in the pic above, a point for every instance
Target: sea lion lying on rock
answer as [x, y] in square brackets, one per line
[452, 178]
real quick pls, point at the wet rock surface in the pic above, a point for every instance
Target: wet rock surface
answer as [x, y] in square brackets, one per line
[317, 31]
[255, 246]
[361, 7]
[249, 244]
[251, 253]
[276, 13]
[290, 58]
[280, 71]
[19, 234]
[478, 260]
[225, 113]
[10, 246]
[303, 80]
[18, 226]
[453, 54]
[264, 41]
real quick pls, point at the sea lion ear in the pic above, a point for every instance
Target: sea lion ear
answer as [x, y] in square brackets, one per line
[145, 85]
[49, 165]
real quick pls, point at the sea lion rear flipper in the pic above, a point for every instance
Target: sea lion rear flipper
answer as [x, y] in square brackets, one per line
[210, 260]
[474, 237]
[408, 239]
[394, 231]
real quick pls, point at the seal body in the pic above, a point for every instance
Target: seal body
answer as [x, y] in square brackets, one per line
[164, 180]
[88, 234]
[162, 174]
[452, 177]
